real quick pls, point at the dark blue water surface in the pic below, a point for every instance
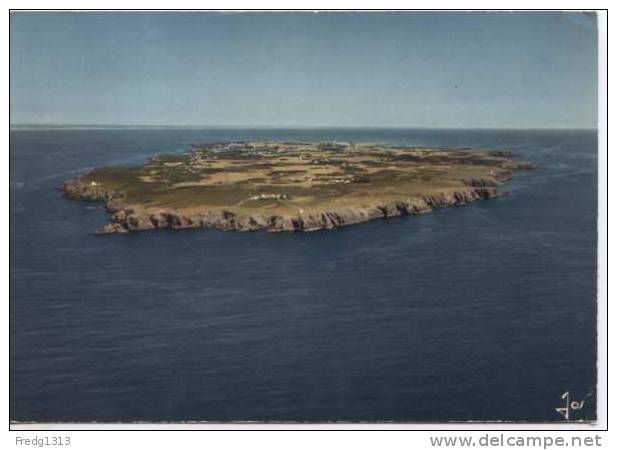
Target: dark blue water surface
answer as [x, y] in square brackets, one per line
[483, 312]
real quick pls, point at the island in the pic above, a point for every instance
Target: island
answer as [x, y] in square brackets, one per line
[290, 186]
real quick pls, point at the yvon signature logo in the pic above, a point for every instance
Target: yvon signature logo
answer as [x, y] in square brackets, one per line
[570, 405]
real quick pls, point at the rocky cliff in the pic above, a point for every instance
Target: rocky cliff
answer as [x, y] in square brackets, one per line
[125, 219]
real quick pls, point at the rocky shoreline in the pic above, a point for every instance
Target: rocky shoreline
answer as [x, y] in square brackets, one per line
[125, 219]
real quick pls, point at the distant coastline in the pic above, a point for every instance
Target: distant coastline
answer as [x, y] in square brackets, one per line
[43, 126]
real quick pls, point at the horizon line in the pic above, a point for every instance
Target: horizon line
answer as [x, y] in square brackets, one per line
[279, 127]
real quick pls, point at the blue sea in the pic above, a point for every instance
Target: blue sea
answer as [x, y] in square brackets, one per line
[483, 312]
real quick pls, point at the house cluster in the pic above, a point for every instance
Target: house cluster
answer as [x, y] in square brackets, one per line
[269, 197]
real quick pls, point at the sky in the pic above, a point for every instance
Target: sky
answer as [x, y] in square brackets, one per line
[370, 69]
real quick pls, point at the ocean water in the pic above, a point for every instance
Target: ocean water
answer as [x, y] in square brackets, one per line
[484, 312]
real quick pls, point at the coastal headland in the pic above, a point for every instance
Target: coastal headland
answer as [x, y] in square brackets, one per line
[290, 186]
